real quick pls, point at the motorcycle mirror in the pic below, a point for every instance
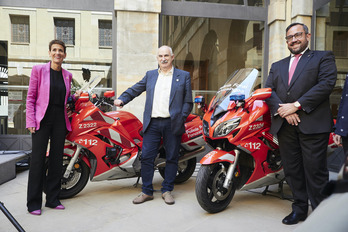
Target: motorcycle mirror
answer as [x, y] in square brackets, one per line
[109, 94]
[84, 97]
[262, 94]
[232, 105]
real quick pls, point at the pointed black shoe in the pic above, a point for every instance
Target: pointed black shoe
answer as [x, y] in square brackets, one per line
[294, 218]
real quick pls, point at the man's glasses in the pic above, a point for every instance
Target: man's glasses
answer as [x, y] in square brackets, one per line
[298, 35]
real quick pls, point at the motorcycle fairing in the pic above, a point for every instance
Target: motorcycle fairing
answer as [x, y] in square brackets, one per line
[116, 137]
[217, 156]
[70, 150]
[123, 170]
[192, 138]
[269, 179]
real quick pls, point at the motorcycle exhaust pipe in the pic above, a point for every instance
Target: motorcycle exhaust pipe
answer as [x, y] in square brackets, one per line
[230, 171]
[183, 158]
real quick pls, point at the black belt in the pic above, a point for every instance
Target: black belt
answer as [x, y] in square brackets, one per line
[160, 118]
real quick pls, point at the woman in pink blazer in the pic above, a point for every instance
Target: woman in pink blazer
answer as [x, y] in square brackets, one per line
[47, 119]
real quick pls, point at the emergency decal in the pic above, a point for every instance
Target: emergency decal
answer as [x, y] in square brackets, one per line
[253, 146]
[256, 126]
[98, 116]
[87, 142]
[87, 125]
[193, 132]
[109, 133]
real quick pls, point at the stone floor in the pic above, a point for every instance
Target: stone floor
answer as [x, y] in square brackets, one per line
[107, 206]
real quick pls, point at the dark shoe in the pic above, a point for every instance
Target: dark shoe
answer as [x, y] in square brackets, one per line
[168, 198]
[142, 198]
[294, 218]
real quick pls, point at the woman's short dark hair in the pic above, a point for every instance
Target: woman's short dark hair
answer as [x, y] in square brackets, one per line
[57, 41]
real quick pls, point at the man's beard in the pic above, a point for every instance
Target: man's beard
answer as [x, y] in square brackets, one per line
[300, 49]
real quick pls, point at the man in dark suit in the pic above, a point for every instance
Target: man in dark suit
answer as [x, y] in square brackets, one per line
[301, 118]
[168, 103]
[341, 131]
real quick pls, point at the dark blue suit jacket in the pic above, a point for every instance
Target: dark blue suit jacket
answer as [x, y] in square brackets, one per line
[311, 85]
[180, 103]
[342, 117]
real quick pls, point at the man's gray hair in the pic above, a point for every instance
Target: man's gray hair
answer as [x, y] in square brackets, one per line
[170, 49]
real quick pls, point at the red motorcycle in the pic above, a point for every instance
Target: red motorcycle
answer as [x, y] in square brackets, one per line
[245, 155]
[107, 146]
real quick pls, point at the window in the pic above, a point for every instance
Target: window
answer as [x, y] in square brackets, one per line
[65, 30]
[340, 43]
[105, 33]
[20, 29]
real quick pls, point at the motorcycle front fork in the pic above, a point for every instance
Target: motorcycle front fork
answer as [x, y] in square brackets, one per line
[72, 161]
[231, 170]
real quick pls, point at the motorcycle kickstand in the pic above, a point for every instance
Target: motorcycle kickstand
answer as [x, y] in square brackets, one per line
[136, 183]
[264, 192]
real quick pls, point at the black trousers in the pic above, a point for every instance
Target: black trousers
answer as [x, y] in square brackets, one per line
[52, 127]
[305, 165]
[345, 145]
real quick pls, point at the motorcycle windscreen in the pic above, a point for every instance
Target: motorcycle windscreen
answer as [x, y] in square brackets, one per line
[91, 84]
[242, 81]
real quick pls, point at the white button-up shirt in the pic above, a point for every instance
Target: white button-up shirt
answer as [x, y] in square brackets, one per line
[160, 106]
[292, 58]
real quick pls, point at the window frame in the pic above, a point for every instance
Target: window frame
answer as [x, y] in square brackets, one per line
[99, 33]
[61, 19]
[12, 18]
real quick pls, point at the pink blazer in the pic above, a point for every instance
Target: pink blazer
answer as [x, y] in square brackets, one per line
[39, 92]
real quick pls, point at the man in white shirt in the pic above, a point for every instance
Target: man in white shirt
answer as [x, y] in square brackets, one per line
[168, 103]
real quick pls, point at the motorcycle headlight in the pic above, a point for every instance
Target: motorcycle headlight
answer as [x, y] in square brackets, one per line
[225, 128]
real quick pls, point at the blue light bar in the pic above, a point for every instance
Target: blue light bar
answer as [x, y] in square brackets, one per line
[237, 97]
[199, 99]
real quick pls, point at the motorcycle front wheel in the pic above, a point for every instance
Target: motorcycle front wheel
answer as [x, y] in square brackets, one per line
[185, 170]
[77, 179]
[210, 193]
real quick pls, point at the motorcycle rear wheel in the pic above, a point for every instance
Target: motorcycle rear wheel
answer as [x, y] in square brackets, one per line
[77, 179]
[185, 170]
[210, 193]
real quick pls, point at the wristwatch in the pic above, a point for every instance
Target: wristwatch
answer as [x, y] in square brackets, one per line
[297, 105]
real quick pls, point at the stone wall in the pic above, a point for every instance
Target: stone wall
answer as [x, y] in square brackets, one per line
[137, 43]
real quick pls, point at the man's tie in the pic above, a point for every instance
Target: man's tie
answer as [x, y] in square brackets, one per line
[293, 66]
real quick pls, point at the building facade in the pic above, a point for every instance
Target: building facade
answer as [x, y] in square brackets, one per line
[118, 40]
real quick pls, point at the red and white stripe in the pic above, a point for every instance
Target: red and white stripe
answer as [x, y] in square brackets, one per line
[114, 135]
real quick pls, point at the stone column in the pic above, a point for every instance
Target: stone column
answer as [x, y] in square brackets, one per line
[137, 35]
[281, 13]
